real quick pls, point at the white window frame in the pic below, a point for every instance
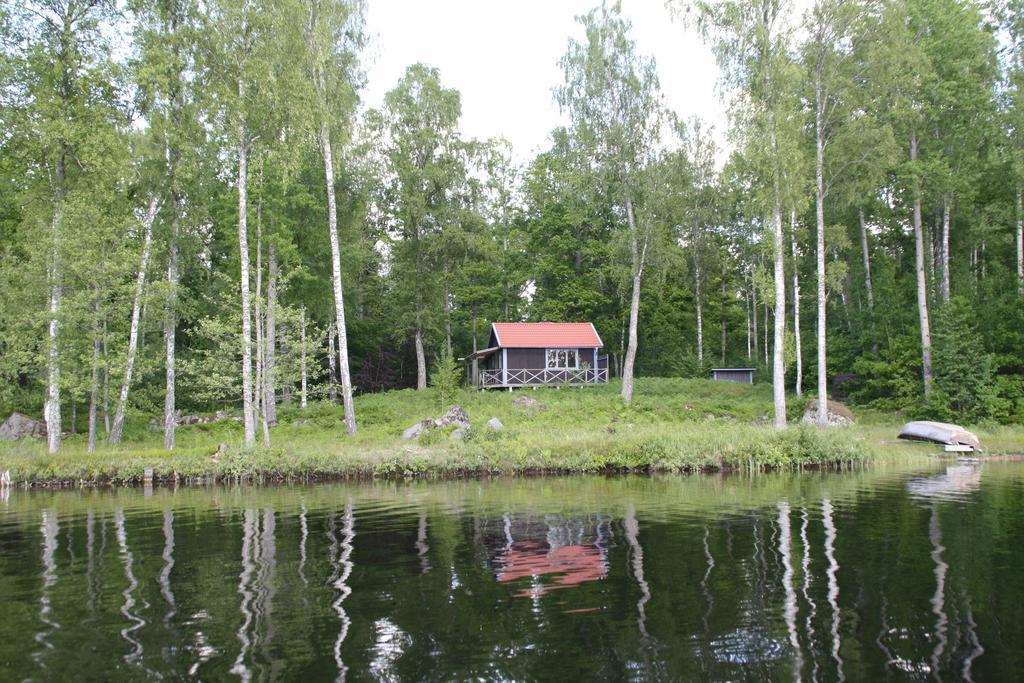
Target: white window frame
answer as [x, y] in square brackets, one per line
[567, 350]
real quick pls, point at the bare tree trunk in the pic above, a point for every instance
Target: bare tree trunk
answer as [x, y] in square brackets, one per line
[170, 326]
[753, 306]
[700, 311]
[248, 412]
[269, 359]
[259, 394]
[421, 362]
[638, 254]
[106, 380]
[448, 319]
[746, 300]
[133, 335]
[94, 387]
[51, 410]
[778, 364]
[922, 281]
[1020, 244]
[724, 323]
[796, 305]
[303, 397]
[339, 300]
[867, 260]
[332, 364]
[819, 217]
[945, 250]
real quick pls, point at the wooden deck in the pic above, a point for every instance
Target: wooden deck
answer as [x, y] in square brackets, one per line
[502, 379]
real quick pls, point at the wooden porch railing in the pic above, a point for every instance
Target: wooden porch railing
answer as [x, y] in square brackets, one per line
[532, 378]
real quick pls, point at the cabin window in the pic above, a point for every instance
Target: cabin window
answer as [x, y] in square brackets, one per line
[563, 359]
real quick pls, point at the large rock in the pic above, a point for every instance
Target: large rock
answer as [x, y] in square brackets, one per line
[417, 430]
[495, 424]
[838, 414]
[459, 433]
[528, 405]
[455, 417]
[19, 426]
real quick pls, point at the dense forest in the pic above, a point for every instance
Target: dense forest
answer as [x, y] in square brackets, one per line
[197, 213]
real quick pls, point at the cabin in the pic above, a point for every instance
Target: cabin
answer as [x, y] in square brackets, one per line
[539, 354]
[741, 375]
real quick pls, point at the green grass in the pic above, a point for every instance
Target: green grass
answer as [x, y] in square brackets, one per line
[674, 425]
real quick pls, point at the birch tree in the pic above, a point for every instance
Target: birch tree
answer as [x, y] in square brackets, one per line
[611, 96]
[751, 40]
[117, 428]
[334, 35]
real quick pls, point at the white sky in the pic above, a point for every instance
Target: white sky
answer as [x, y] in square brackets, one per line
[503, 57]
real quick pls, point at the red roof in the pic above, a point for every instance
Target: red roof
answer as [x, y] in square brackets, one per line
[544, 335]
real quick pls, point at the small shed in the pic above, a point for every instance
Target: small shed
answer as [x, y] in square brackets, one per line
[540, 354]
[741, 375]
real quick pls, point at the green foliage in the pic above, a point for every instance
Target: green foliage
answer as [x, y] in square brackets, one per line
[446, 378]
[964, 387]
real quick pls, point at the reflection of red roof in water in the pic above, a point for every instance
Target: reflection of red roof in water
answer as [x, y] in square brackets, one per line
[570, 565]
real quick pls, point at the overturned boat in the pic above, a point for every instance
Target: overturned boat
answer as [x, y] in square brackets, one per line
[954, 437]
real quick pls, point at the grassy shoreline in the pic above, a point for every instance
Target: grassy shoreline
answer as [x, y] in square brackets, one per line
[673, 426]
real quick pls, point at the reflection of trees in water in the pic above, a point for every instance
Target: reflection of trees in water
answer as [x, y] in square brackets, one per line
[812, 608]
[49, 529]
[339, 556]
[136, 622]
[833, 582]
[790, 608]
[256, 587]
[165, 573]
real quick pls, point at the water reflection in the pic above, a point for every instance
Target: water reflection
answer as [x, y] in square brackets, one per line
[790, 610]
[554, 553]
[48, 528]
[821, 577]
[165, 573]
[833, 582]
[939, 599]
[256, 587]
[136, 622]
[958, 483]
[341, 563]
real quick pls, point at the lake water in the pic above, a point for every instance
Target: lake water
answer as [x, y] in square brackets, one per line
[859, 576]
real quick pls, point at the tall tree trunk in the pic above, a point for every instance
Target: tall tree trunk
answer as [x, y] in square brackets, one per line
[447, 319]
[753, 306]
[796, 305]
[303, 397]
[259, 394]
[778, 357]
[332, 365]
[339, 300]
[51, 410]
[725, 339]
[106, 380]
[819, 218]
[945, 250]
[1020, 244]
[248, 412]
[922, 280]
[133, 335]
[867, 260]
[170, 327]
[269, 358]
[700, 312]
[421, 361]
[638, 254]
[94, 386]
[746, 301]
